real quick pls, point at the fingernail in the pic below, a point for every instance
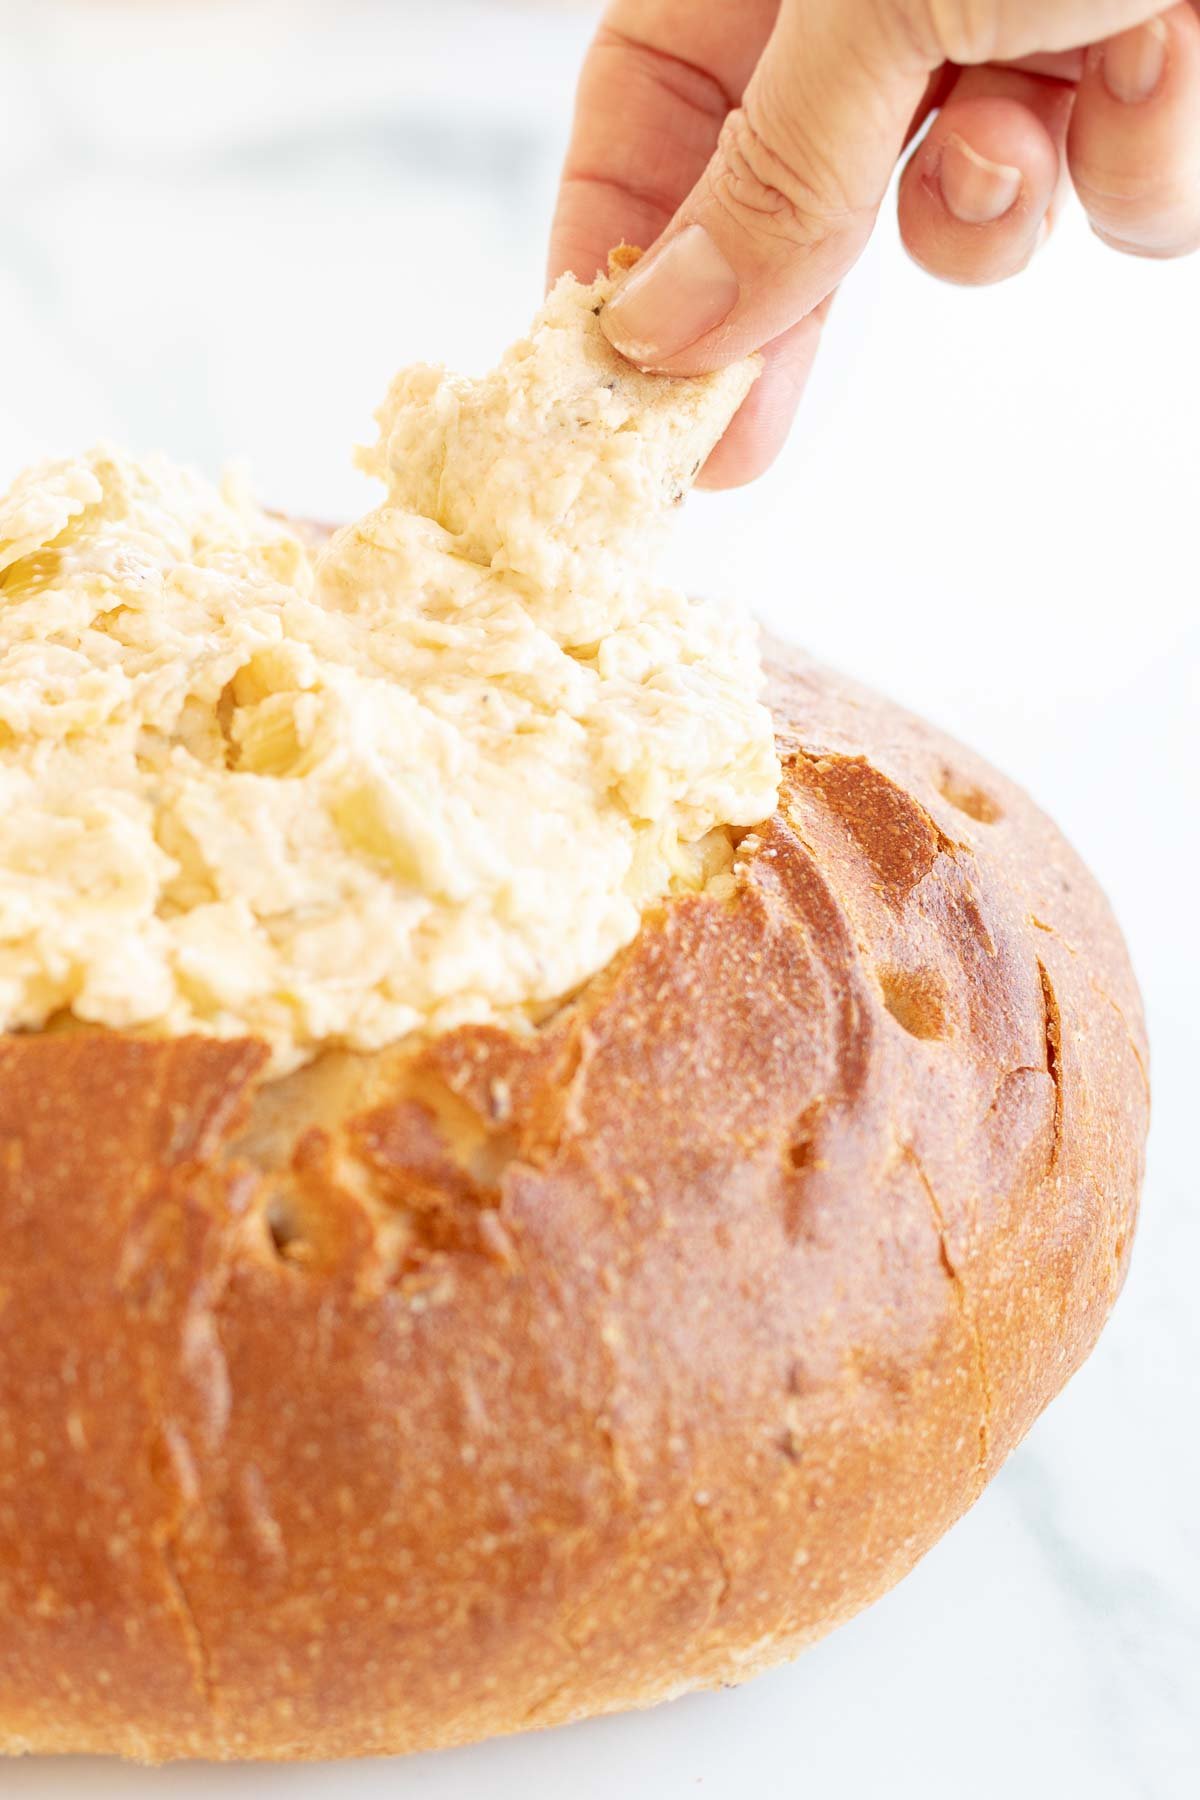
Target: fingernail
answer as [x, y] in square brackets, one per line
[674, 296]
[1134, 62]
[975, 190]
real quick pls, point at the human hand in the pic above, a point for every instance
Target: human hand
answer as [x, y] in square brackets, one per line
[751, 142]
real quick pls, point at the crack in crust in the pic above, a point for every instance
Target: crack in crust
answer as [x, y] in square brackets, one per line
[725, 1574]
[172, 1465]
[1099, 989]
[167, 1449]
[198, 1651]
[1053, 1035]
[967, 1311]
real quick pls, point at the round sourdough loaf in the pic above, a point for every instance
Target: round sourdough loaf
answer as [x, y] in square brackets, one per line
[507, 1379]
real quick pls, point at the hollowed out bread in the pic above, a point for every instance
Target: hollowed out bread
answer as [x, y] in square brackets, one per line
[508, 1379]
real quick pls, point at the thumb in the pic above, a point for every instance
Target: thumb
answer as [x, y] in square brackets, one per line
[790, 196]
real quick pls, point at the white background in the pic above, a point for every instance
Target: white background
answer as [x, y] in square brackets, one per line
[222, 227]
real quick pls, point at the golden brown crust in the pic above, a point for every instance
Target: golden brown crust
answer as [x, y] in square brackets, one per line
[432, 1395]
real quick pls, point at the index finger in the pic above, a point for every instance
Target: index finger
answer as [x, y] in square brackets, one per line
[656, 85]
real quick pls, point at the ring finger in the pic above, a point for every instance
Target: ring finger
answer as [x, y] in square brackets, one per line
[977, 193]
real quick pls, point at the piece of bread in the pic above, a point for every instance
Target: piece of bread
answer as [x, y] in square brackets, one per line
[417, 1397]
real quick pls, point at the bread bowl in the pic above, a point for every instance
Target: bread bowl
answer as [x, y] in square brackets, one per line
[518, 1371]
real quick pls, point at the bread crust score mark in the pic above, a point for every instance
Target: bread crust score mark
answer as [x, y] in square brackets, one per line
[426, 1395]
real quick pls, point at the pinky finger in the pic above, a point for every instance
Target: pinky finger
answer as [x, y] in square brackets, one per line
[1134, 143]
[976, 194]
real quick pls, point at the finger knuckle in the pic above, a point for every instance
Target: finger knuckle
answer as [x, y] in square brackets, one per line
[956, 31]
[1141, 203]
[696, 89]
[771, 187]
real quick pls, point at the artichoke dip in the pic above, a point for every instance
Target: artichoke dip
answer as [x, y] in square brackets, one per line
[430, 770]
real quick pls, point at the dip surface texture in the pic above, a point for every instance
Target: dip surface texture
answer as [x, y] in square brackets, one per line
[431, 771]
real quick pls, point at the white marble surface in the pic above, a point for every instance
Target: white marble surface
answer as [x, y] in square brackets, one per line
[222, 226]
